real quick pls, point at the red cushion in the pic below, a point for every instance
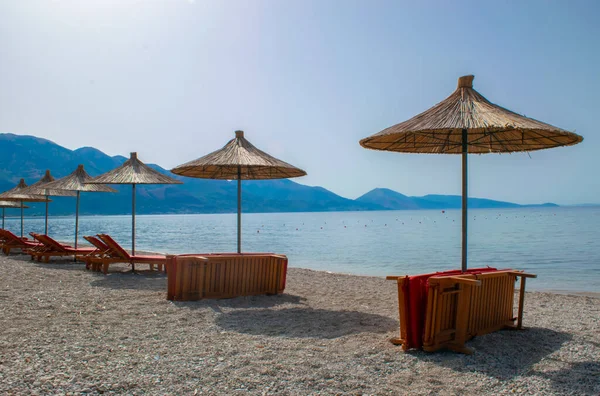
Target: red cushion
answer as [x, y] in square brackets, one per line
[415, 299]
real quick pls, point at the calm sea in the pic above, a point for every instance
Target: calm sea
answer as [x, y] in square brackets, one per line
[561, 245]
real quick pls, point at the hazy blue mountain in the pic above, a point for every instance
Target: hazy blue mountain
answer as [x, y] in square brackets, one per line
[29, 157]
[393, 200]
[389, 199]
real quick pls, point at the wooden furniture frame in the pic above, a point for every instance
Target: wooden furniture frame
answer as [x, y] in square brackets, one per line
[117, 254]
[10, 241]
[227, 275]
[93, 260]
[52, 248]
[460, 307]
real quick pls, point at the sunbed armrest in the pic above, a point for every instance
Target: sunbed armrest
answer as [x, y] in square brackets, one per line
[523, 274]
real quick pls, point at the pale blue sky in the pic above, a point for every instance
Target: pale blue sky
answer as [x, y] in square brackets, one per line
[307, 80]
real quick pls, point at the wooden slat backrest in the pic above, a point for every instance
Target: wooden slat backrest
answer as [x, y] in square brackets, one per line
[97, 243]
[49, 242]
[115, 247]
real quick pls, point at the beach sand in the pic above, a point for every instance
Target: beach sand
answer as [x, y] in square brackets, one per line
[68, 330]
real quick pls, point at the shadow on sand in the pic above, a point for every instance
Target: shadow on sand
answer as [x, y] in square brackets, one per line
[244, 302]
[140, 280]
[56, 263]
[304, 322]
[504, 354]
[579, 378]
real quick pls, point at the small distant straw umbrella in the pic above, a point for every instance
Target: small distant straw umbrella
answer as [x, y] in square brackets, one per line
[9, 204]
[238, 160]
[466, 122]
[133, 172]
[40, 188]
[16, 194]
[76, 183]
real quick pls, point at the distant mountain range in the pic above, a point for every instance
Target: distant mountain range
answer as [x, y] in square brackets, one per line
[28, 157]
[392, 200]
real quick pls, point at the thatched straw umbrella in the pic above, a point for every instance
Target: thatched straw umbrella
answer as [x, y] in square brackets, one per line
[133, 172]
[16, 194]
[40, 188]
[9, 204]
[464, 123]
[76, 183]
[238, 160]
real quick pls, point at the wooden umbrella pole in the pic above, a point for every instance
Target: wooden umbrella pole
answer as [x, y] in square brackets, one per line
[77, 219]
[133, 221]
[3, 209]
[46, 222]
[239, 210]
[465, 151]
[21, 219]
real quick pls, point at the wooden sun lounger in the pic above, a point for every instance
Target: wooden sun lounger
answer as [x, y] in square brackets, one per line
[52, 248]
[119, 255]
[94, 259]
[11, 241]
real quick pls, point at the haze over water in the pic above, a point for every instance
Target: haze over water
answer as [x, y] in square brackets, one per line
[560, 245]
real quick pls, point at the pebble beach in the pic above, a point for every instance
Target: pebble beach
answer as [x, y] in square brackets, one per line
[69, 331]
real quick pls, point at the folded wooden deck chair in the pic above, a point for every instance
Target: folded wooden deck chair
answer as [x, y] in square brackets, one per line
[11, 241]
[120, 255]
[52, 248]
[446, 309]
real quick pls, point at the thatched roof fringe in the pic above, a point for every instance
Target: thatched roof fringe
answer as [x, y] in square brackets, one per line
[238, 154]
[491, 128]
[16, 194]
[77, 180]
[41, 187]
[133, 171]
[12, 204]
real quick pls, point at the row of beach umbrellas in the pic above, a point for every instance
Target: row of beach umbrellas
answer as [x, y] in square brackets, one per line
[464, 123]
[237, 160]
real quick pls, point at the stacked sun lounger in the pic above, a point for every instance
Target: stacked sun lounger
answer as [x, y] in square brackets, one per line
[445, 309]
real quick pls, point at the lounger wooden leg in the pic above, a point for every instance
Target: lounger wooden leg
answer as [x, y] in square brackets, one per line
[105, 268]
[521, 304]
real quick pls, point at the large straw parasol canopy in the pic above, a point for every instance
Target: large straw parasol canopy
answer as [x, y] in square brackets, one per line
[134, 172]
[41, 187]
[78, 181]
[490, 128]
[19, 193]
[467, 123]
[238, 160]
[238, 156]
